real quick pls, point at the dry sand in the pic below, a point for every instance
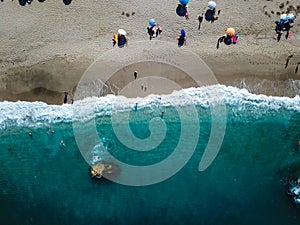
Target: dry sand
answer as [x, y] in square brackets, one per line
[46, 47]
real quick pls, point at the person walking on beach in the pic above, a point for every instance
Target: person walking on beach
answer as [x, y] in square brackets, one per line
[66, 97]
[200, 19]
[135, 74]
[287, 61]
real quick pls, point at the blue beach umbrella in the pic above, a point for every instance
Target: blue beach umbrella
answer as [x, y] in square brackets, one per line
[184, 2]
[182, 32]
[152, 22]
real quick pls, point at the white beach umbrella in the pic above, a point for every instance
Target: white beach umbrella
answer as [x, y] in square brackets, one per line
[122, 32]
[291, 17]
[212, 4]
[283, 17]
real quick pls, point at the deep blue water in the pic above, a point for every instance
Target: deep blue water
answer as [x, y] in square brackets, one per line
[42, 182]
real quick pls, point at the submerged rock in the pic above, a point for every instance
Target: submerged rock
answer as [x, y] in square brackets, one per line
[106, 169]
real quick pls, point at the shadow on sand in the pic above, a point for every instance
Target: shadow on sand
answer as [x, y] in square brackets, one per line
[67, 2]
[181, 10]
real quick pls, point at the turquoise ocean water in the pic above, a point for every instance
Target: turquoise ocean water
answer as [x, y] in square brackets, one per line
[42, 182]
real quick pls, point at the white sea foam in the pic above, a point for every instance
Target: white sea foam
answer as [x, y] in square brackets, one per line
[38, 114]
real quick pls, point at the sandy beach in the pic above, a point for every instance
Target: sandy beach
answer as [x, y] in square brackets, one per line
[46, 47]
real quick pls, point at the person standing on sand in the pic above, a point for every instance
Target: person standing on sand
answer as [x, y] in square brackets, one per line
[115, 40]
[72, 97]
[187, 15]
[211, 11]
[181, 38]
[122, 41]
[278, 30]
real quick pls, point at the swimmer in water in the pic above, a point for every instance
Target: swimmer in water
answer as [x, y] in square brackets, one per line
[62, 143]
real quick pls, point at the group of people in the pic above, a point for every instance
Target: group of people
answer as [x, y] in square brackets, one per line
[24, 2]
[153, 29]
[230, 37]
[284, 25]
[120, 38]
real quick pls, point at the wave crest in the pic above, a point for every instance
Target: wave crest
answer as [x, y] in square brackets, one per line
[238, 102]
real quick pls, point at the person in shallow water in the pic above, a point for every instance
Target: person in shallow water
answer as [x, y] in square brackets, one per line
[62, 143]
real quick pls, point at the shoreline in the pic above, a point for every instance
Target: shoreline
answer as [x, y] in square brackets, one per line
[46, 81]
